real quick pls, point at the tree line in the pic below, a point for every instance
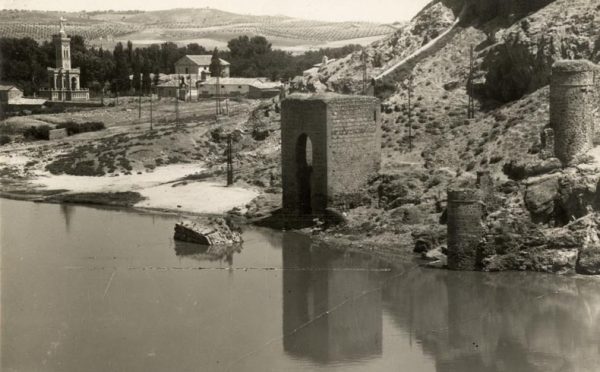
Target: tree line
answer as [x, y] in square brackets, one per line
[24, 62]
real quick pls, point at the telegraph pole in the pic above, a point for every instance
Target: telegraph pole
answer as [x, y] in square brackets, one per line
[151, 89]
[177, 109]
[365, 75]
[229, 161]
[410, 83]
[178, 85]
[140, 100]
[218, 94]
[471, 107]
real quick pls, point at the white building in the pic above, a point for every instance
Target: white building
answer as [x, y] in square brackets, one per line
[231, 87]
[199, 66]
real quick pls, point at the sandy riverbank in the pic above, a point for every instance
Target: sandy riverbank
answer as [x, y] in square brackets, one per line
[162, 189]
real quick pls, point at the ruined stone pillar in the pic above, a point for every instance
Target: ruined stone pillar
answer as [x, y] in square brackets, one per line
[572, 104]
[465, 229]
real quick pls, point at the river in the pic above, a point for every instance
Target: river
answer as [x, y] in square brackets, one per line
[89, 289]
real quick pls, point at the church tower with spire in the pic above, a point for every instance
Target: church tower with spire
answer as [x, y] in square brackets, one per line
[62, 43]
[63, 80]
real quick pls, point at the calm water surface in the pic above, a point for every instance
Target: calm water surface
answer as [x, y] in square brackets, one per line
[86, 289]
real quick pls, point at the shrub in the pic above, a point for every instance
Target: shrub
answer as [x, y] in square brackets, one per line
[496, 159]
[76, 128]
[41, 132]
[4, 139]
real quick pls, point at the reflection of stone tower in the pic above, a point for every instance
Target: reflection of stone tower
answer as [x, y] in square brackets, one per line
[63, 80]
[573, 100]
[328, 315]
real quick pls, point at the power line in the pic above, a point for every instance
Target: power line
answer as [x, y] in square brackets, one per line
[410, 87]
[229, 161]
[471, 107]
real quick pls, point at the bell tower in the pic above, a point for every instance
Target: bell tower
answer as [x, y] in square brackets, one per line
[62, 45]
[63, 80]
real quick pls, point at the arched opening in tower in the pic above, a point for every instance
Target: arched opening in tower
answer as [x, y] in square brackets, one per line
[304, 167]
[73, 83]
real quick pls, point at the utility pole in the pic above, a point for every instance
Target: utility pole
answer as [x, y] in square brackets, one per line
[217, 95]
[140, 100]
[177, 110]
[229, 161]
[471, 107]
[410, 86]
[151, 89]
[365, 75]
[178, 85]
[218, 110]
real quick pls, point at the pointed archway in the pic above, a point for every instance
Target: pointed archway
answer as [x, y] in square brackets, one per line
[304, 171]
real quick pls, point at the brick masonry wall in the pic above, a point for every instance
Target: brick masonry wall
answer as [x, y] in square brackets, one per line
[464, 228]
[354, 146]
[345, 135]
[573, 100]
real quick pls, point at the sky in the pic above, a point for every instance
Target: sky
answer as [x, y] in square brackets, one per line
[383, 11]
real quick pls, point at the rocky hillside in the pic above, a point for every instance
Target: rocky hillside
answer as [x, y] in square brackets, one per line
[515, 44]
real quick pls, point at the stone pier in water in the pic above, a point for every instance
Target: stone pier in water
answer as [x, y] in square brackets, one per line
[465, 212]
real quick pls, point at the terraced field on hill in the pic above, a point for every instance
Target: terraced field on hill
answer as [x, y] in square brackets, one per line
[208, 27]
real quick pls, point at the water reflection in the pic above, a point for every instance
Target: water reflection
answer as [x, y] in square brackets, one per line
[503, 322]
[105, 297]
[67, 212]
[329, 314]
[201, 252]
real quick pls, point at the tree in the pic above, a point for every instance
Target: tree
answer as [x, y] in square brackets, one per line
[195, 48]
[215, 64]
[121, 72]
[146, 81]
[136, 80]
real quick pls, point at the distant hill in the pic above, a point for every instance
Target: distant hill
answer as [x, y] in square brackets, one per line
[206, 26]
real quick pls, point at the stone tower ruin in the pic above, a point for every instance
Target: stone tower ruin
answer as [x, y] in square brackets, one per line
[573, 101]
[465, 213]
[330, 146]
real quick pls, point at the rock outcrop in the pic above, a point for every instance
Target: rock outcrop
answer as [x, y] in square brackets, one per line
[215, 231]
[521, 58]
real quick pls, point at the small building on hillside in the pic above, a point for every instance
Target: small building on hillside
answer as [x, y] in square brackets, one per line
[175, 84]
[8, 92]
[316, 67]
[173, 88]
[12, 101]
[199, 66]
[232, 87]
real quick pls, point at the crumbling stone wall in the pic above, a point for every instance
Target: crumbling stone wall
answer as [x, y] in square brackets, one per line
[345, 135]
[573, 101]
[465, 213]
